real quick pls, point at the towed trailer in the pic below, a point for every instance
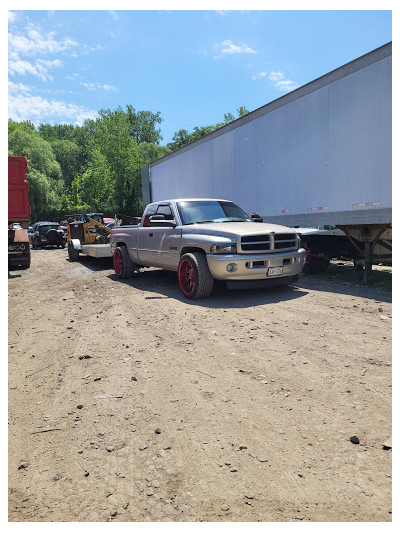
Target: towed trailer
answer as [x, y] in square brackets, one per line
[88, 235]
[93, 250]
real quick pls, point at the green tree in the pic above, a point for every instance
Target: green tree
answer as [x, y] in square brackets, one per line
[111, 135]
[44, 173]
[57, 132]
[242, 111]
[45, 196]
[143, 124]
[68, 155]
[228, 117]
[97, 183]
[149, 152]
[26, 124]
[72, 200]
[38, 152]
[183, 137]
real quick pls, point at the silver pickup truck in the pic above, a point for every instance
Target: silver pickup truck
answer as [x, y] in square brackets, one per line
[206, 240]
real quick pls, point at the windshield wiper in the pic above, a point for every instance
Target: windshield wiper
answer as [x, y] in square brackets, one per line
[199, 222]
[236, 220]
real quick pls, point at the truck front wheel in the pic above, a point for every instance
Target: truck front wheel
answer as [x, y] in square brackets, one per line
[123, 266]
[195, 280]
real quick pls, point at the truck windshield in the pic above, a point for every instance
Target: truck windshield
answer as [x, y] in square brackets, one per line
[203, 211]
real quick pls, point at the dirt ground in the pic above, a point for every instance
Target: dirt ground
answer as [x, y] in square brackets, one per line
[128, 402]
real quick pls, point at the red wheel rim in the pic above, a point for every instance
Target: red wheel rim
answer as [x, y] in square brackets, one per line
[187, 277]
[117, 259]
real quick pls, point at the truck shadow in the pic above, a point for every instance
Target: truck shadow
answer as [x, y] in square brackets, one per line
[93, 263]
[164, 284]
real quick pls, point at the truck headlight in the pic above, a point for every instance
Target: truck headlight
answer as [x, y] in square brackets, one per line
[223, 248]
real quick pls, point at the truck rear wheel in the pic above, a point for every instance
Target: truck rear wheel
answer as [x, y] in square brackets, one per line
[72, 253]
[195, 280]
[123, 266]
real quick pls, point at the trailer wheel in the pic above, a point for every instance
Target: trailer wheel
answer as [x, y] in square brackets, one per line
[72, 253]
[123, 266]
[195, 280]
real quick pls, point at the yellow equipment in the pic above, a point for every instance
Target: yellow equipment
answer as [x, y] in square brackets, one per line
[88, 228]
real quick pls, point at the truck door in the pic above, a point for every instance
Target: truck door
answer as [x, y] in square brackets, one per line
[157, 245]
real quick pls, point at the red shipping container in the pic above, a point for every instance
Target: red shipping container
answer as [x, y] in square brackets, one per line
[18, 202]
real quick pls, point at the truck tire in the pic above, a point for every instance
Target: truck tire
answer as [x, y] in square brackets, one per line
[123, 266]
[72, 253]
[195, 280]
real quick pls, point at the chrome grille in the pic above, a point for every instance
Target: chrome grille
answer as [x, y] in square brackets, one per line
[256, 243]
[285, 240]
[267, 242]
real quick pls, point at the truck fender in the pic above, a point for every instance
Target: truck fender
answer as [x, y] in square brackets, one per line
[76, 244]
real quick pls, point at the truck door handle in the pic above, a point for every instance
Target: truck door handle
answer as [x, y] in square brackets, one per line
[150, 234]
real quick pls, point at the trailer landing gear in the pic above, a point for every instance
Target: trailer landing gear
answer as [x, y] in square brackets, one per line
[364, 238]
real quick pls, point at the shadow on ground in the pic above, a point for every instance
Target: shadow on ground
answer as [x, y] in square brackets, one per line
[93, 263]
[340, 278]
[164, 284]
[345, 279]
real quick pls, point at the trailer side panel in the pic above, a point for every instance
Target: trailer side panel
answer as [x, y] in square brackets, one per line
[322, 158]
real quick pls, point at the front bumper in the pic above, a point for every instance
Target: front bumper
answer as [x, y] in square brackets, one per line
[255, 266]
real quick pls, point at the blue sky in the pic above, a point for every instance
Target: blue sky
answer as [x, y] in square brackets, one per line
[192, 66]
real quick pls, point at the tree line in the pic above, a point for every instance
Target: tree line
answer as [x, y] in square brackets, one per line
[95, 167]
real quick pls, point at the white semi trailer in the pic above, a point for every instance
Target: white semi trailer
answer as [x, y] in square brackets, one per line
[318, 156]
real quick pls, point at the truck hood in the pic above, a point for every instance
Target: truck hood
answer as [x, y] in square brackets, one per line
[235, 229]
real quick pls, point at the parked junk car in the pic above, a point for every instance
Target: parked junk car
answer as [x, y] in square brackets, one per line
[65, 230]
[47, 234]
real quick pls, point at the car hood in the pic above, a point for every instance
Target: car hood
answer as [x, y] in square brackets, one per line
[235, 229]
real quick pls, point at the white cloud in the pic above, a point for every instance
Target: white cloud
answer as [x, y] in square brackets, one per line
[11, 16]
[39, 110]
[228, 48]
[92, 86]
[18, 88]
[23, 48]
[114, 15]
[281, 82]
[75, 76]
[39, 68]
[259, 75]
[34, 43]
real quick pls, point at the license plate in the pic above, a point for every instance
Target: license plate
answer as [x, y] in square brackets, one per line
[275, 271]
